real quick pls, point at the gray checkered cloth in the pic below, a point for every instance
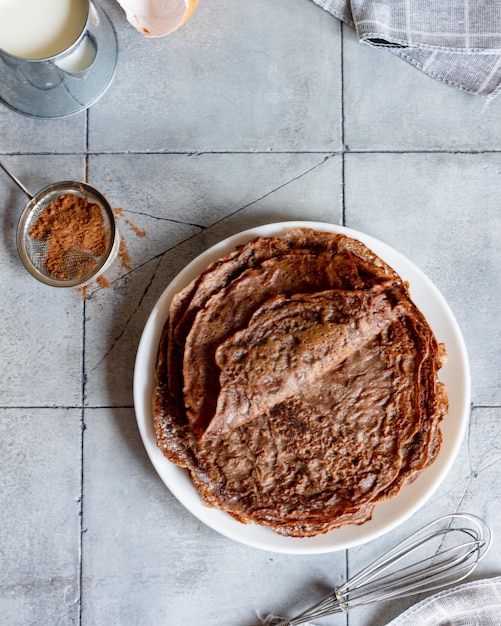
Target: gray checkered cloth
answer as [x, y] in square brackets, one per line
[471, 604]
[455, 41]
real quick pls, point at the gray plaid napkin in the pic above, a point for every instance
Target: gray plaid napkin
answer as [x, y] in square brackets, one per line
[455, 41]
[470, 604]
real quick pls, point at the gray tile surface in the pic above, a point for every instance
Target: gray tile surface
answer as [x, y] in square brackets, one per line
[473, 476]
[41, 326]
[185, 204]
[389, 107]
[40, 452]
[252, 113]
[400, 201]
[23, 134]
[205, 87]
[148, 561]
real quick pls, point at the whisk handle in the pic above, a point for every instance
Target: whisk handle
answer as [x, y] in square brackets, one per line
[331, 603]
[295, 621]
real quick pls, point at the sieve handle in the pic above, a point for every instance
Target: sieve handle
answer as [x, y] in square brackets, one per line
[17, 181]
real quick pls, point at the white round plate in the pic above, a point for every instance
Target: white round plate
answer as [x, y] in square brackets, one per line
[387, 515]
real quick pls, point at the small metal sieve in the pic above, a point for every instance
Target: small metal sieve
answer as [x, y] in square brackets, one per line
[80, 265]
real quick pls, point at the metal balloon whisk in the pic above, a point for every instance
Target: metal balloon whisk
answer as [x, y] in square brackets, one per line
[440, 554]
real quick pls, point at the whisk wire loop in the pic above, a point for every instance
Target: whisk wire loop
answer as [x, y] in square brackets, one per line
[399, 552]
[462, 558]
[440, 567]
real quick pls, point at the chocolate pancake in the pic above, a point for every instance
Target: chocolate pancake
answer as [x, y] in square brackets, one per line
[305, 384]
[231, 308]
[289, 346]
[218, 275]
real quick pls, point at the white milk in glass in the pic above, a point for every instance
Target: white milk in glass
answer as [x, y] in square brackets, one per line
[37, 29]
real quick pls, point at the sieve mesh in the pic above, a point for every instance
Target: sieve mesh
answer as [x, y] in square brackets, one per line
[80, 265]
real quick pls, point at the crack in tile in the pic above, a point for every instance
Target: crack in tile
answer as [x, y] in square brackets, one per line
[245, 206]
[160, 256]
[205, 228]
[281, 186]
[481, 470]
[161, 218]
[117, 338]
[469, 477]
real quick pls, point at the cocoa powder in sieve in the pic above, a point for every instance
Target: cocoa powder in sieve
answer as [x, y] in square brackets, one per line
[69, 225]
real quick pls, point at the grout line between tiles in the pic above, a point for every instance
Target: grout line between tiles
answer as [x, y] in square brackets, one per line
[99, 407]
[347, 577]
[81, 527]
[194, 154]
[76, 407]
[343, 147]
[86, 147]
[86, 131]
[82, 401]
[82, 453]
[343, 217]
[82, 363]
[83, 380]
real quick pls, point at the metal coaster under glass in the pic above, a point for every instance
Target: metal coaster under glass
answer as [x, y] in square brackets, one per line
[68, 82]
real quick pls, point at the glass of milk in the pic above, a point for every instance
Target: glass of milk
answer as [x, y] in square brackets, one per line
[57, 57]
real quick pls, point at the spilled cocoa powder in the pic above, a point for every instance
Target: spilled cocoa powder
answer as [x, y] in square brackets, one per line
[76, 235]
[137, 231]
[123, 256]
